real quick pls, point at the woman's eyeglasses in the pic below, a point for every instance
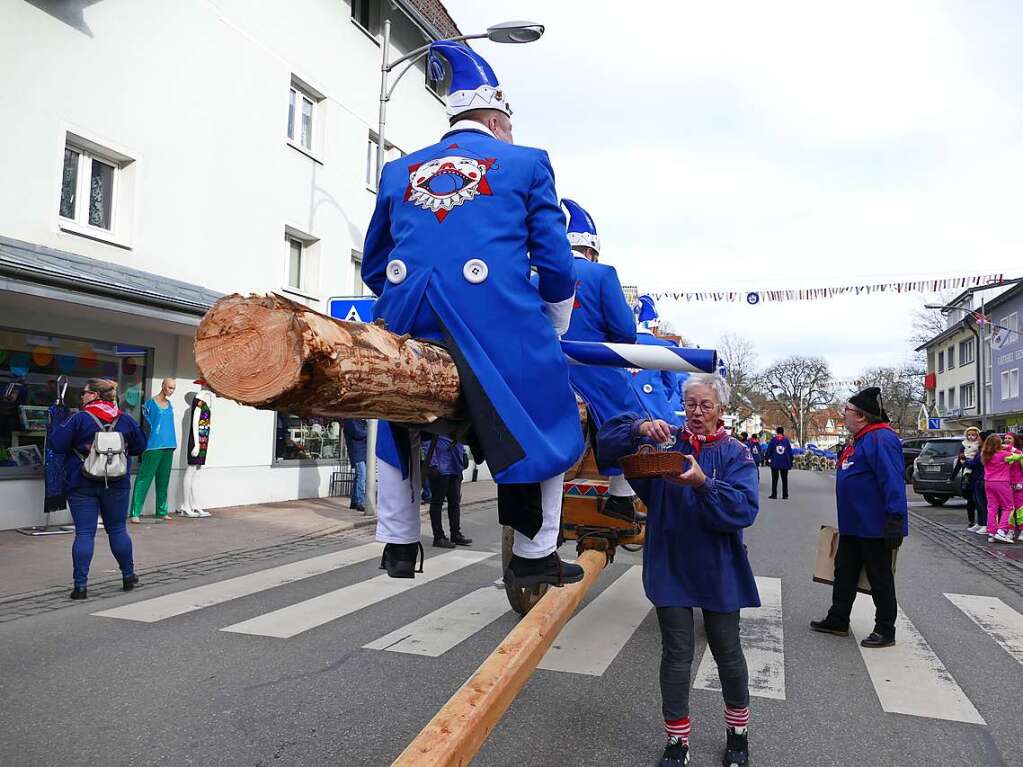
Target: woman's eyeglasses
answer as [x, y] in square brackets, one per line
[704, 407]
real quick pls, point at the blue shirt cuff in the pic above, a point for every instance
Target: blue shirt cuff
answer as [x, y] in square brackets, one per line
[706, 487]
[634, 431]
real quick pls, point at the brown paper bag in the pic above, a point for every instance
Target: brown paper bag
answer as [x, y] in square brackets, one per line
[824, 567]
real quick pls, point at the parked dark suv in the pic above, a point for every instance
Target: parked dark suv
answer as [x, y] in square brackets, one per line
[910, 450]
[932, 470]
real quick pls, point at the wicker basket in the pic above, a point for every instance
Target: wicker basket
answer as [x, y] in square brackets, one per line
[649, 462]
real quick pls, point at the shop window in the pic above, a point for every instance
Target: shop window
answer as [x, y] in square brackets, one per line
[30, 364]
[311, 439]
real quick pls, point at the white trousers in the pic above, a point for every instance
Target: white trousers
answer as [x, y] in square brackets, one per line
[398, 518]
[619, 485]
[190, 490]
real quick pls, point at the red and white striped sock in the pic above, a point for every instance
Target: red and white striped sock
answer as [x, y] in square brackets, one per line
[678, 728]
[737, 718]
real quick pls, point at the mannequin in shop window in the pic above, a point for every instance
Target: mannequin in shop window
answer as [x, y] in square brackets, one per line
[158, 416]
[198, 444]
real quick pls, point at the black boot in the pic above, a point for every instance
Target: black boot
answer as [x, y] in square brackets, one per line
[79, 592]
[830, 626]
[736, 749]
[459, 539]
[442, 542]
[876, 641]
[522, 572]
[620, 507]
[129, 583]
[676, 754]
[399, 559]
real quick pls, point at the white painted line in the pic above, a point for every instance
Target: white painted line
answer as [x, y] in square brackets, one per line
[763, 644]
[997, 619]
[436, 633]
[595, 636]
[180, 602]
[297, 618]
[910, 678]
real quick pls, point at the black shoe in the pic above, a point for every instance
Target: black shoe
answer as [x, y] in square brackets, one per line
[676, 754]
[784, 497]
[442, 542]
[827, 626]
[399, 559]
[460, 539]
[773, 496]
[522, 572]
[79, 593]
[876, 641]
[356, 507]
[129, 583]
[736, 749]
[620, 507]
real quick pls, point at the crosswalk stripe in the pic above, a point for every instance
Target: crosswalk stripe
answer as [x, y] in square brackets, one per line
[436, 633]
[595, 636]
[994, 617]
[910, 678]
[762, 639]
[303, 616]
[180, 602]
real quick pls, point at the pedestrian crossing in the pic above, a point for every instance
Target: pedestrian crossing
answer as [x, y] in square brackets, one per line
[909, 678]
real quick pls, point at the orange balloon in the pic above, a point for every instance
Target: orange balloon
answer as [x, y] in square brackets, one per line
[42, 356]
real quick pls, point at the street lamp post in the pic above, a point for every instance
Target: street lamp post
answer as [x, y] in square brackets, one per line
[505, 32]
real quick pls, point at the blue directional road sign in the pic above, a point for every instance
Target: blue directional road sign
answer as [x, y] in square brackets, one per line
[934, 424]
[351, 308]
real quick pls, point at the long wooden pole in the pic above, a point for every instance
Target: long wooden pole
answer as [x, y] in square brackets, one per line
[456, 733]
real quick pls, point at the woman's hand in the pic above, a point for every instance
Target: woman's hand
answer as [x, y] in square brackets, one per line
[691, 477]
[657, 431]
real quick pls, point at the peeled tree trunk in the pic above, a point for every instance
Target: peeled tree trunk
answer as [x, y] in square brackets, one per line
[275, 354]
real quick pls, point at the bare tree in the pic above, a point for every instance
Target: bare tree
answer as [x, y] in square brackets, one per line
[927, 323]
[902, 392]
[741, 363]
[798, 386]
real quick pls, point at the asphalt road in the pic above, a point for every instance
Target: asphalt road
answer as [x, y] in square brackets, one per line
[292, 683]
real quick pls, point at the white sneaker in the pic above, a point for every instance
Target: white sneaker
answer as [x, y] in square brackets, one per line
[981, 530]
[1003, 537]
[187, 513]
[201, 513]
[972, 529]
[991, 539]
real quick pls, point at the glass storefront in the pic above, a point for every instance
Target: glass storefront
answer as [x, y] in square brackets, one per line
[309, 439]
[31, 363]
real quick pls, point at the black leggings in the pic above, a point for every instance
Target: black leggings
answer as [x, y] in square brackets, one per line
[677, 644]
[445, 486]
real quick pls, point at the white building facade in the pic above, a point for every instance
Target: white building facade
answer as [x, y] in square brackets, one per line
[156, 155]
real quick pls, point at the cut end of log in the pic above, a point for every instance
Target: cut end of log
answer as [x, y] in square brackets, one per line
[249, 350]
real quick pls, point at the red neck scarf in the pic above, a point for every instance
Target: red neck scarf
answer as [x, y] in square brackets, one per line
[696, 441]
[104, 411]
[858, 436]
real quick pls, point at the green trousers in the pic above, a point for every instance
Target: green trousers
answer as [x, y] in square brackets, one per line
[155, 463]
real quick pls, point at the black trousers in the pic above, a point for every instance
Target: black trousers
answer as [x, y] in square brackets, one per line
[855, 554]
[784, 481]
[449, 487]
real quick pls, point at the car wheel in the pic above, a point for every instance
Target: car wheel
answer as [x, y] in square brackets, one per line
[909, 474]
[936, 500]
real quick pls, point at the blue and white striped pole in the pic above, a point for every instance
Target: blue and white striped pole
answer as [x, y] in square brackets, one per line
[677, 358]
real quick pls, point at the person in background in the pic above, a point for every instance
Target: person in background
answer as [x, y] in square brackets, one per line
[446, 460]
[873, 518]
[999, 491]
[158, 459]
[965, 464]
[756, 450]
[354, 430]
[91, 499]
[1016, 480]
[694, 555]
[779, 456]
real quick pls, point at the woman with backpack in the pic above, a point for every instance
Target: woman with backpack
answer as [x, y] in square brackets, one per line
[96, 443]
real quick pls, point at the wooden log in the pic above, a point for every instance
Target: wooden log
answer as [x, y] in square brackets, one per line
[275, 354]
[458, 730]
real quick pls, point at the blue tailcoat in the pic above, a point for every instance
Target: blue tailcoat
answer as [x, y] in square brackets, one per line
[693, 555]
[779, 452]
[601, 313]
[656, 388]
[457, 226]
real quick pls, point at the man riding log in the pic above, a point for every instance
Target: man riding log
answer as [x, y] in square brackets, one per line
[456, 229]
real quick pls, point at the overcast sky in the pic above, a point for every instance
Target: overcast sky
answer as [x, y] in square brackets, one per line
[769, 145]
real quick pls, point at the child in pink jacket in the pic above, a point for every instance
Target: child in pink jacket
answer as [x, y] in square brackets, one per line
[1012, 442]
[999, 490]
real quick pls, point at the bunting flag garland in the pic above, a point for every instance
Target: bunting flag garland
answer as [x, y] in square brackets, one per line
[814, 294]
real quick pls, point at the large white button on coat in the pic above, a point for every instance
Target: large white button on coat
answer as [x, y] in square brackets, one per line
[475, 271]
[648, 389]
[396, 271]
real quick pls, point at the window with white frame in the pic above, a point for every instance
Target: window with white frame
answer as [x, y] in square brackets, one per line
[951, 357]
[366, 13]
[391, 152]
[300, 117]
[301, 263]
[95, 189]
[941, 401]
[1011, 325]
[966, 352]
[1010, 384]
[941, 362]
[293, 278]
[967, 395]
[951, 398]
[359, 287]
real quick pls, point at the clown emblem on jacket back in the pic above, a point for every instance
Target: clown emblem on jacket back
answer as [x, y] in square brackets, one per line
[445, 183]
